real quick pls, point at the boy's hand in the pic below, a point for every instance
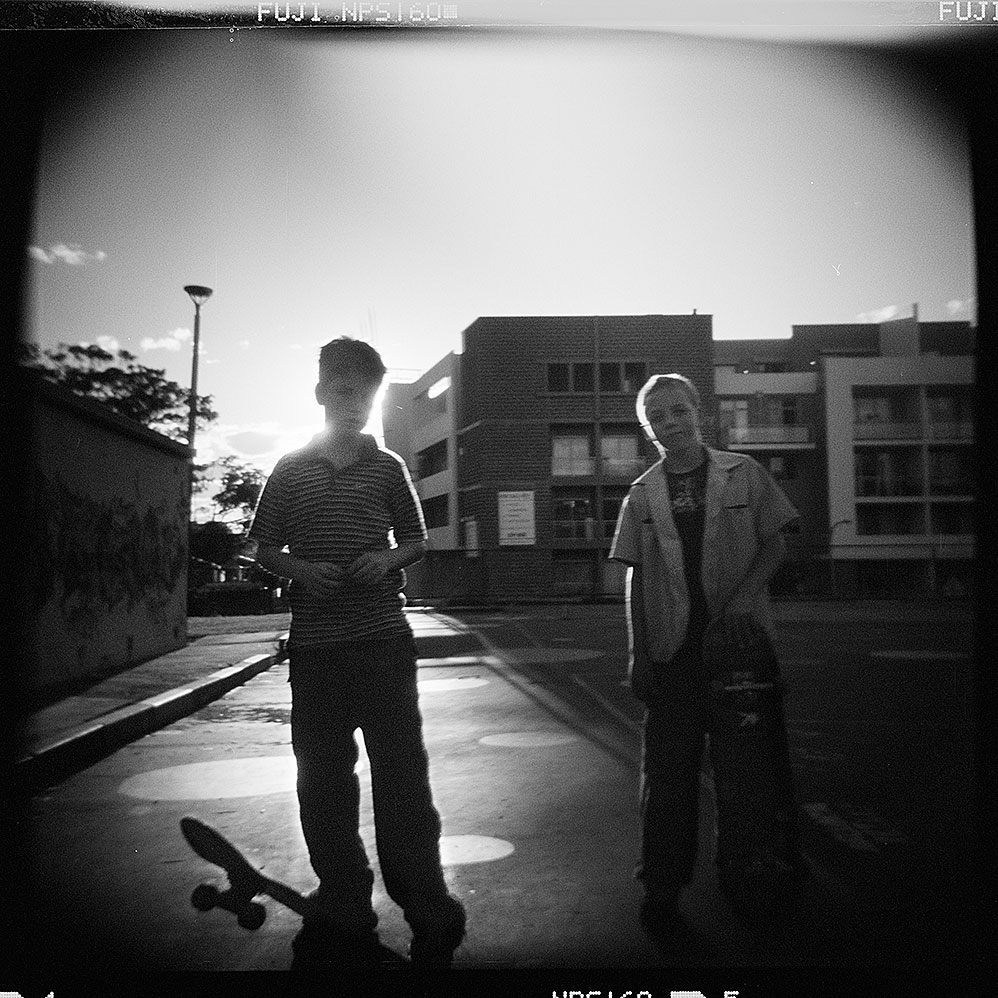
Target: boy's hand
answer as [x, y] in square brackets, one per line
[371, 567]
[322, 578]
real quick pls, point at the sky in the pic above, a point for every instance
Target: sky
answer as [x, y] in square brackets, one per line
[397, 185]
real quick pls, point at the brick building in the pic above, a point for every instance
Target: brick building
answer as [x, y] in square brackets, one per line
[524, 445]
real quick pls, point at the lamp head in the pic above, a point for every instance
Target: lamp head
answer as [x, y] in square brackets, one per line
[199, 295]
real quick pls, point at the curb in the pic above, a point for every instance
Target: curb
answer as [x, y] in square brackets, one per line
[79, 747]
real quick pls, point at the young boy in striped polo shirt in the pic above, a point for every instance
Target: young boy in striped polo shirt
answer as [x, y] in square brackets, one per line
[331, 505]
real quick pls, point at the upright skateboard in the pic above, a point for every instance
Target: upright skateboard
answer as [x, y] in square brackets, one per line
[246, 882]
[760, 866]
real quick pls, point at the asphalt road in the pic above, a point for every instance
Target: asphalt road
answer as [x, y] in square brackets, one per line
[534, 750]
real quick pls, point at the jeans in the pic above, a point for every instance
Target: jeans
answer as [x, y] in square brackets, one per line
[369, 685]
[676, 722]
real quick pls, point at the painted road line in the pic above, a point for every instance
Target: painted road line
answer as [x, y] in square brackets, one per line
[450, 660]
[612, 710]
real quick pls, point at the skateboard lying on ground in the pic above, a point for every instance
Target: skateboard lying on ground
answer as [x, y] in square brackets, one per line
[760, 866]
[245, 880]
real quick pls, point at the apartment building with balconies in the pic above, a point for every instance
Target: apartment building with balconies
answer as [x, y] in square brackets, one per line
[542, 443]
[868, 427]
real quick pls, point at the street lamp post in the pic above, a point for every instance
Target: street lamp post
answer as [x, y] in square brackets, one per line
[199, 295]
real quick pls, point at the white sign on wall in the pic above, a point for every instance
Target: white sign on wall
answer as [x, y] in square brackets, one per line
[516, 518]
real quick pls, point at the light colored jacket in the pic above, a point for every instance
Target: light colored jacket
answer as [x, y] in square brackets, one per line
[743, 507]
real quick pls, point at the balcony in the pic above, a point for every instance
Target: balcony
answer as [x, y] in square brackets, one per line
[951, 485]
[963, 430]
[622, 467]
[877, 430]
[768, 435]
[575, 530]
[887, 486]
[574, 467]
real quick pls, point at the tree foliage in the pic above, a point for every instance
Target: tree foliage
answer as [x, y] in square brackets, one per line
[214, 542]
[141, 393]
[241, 485]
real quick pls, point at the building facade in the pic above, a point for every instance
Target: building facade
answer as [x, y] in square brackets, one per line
[525, 452]
[869, 429]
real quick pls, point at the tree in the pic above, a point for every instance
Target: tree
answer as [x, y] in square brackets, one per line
[213, 542]
[241, 486]
[131, 389]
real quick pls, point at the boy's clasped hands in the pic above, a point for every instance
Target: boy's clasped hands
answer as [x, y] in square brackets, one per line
[326, 579]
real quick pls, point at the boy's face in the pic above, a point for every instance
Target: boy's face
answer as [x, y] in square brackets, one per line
[347, 398]
[672, 417]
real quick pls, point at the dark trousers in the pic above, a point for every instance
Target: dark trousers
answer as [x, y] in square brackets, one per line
[372, 686]
[676, 722]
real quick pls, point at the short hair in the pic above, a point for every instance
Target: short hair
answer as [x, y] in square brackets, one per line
[345, 354]
[656, 383]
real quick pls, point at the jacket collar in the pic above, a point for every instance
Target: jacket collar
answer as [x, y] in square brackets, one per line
[722, 459]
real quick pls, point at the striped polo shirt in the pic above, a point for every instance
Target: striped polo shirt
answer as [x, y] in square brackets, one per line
[325, 514]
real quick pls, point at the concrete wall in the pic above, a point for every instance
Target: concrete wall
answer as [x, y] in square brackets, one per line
[107, 577]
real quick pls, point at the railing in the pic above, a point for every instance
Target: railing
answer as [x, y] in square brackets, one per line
[940, 486]
[880, 485]
[576, 466]
[574, 530]
[887, 431]
[623, 467]
[962, 430]
[768, 434]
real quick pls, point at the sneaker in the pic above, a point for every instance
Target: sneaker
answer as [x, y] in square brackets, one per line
[322, 946]
[433, 943]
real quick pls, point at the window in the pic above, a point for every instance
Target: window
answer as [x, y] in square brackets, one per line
[872, 409]
[572, 516]
[583, 378]
[571, 454]
[432, 460]
[435, 512]
[951, 472]
[558, 378]
[900, 519]
[734, 420]
[621, 453]
[609, 378]
[635, 375]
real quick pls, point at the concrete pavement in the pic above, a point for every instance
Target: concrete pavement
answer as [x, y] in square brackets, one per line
[77, 730]
[74, 732]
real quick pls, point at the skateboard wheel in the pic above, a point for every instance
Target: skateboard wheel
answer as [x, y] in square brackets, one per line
[252, 916]
[204, 897]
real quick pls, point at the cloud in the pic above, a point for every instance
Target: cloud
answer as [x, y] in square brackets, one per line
[252, 442]
[72, 254]
[878, 314]
[172, 341]
[108, 343]
[960, 307]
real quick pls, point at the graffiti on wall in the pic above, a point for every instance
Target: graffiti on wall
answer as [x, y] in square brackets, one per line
[96, 556]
